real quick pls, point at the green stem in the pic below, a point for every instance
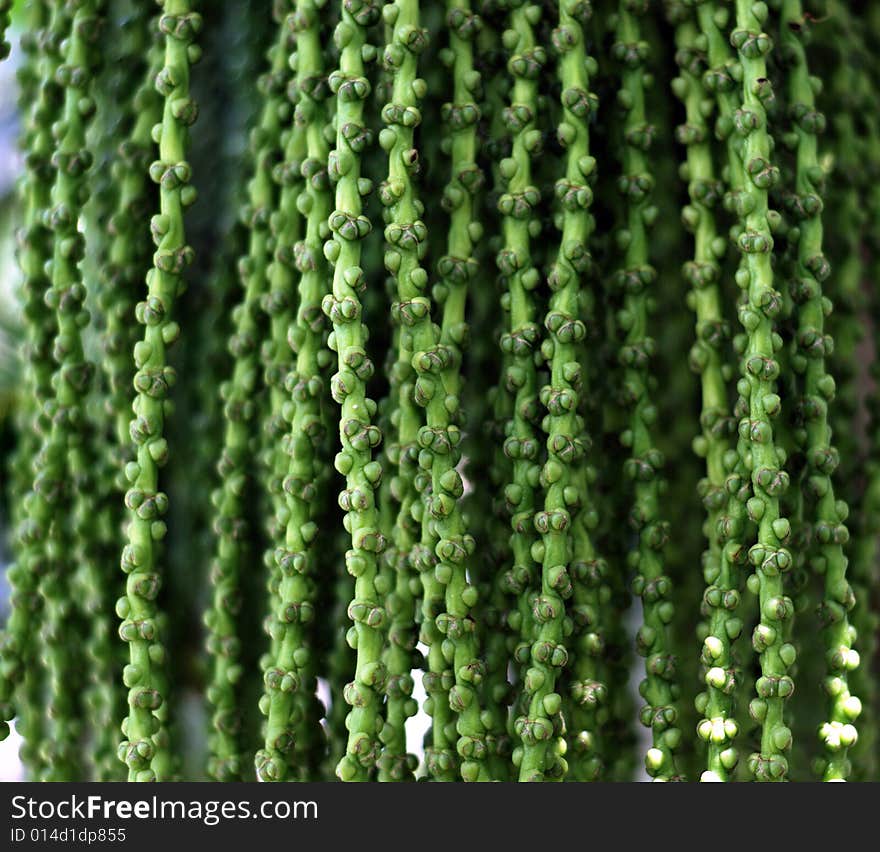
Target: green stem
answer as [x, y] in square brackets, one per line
[20, 641]
[719, 726]
[635, 355]
[760, 370]
[289, 680]
[404, 235]
[237, 464]
[142, 749]
[358, 436]
[813, 346]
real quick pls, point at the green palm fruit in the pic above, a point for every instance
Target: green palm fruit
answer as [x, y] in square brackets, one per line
[121, 272]
[459, 269]
[643, 467]
[127, 255]
[144, 741]
[289, 680]
[510, 581]
[488, 413]
[768, 556]
[813, 345]
[446, 545]
[718, 728]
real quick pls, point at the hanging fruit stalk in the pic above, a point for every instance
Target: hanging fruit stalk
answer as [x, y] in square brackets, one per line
[635, 355]
[760, 369]
[288, 680]
[142, 748]
[813, 348]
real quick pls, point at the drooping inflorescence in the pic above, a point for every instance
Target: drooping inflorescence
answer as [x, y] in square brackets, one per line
[292, 667]
[20, 638]
[68, 464]
[571, 458]
[643, 467]
[707, 357]
[521, 338]
[563, 423]
[357, 433]
[757, 387]
[238, 461]
[143, 749]
[405, 235]
[814, 346]
[847, 100]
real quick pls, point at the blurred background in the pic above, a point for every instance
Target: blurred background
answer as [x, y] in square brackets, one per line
[10, 167]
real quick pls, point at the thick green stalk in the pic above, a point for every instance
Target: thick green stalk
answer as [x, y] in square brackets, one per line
[768, 555]
[237, 464]
[289, 680]
[358, 436]
[405, 236]
[635, 355]
[143, 744]
[813, 346]
[566, 441]
[708, 358]
[278, 286]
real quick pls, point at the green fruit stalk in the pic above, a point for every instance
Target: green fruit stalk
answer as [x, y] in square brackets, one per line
[237, 465]
[19, 643]
[66, 449]
[288, 681]
[768, 556]
[707, 357]
[545, 320]
[142, 750]
[813, 347]
[566, 443]
[405, 236]
[519, 342]
[29, 703]
[357, 433]
[643, 467]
